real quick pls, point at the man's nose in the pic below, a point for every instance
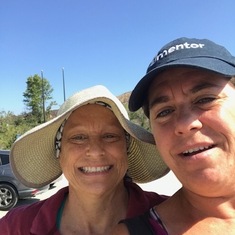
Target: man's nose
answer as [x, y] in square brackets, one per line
[187, 121]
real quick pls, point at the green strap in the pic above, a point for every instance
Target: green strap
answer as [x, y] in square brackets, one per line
[60, 212]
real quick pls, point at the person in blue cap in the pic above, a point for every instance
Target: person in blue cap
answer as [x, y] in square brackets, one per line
[188, 94]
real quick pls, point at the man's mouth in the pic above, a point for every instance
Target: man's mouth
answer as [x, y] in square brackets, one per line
[88, 169]
[196, 150]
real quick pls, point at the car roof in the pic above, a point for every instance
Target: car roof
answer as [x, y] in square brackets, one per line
[4, 151]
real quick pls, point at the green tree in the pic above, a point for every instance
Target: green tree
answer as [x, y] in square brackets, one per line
[8, 130]
[139, 118]
[37, 98]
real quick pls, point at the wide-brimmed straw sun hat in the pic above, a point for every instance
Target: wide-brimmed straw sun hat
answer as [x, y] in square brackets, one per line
[33, 155]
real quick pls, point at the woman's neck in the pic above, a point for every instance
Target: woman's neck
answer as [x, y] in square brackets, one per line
[93, 214]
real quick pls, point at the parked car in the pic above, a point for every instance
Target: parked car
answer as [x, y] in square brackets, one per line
[11, 190]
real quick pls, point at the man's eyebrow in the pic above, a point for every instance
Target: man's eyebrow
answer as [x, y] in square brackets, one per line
[158, 100]
[195, 89]
[201, 86]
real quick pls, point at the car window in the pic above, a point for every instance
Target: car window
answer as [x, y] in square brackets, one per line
[4, 159]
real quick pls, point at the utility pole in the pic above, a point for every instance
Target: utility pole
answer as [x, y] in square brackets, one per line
[43, 98]
[63, 83]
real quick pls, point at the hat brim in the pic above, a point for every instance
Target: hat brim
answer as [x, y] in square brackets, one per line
[139, 93]
[33, 155]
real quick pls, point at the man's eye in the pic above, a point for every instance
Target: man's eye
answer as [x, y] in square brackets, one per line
[164, 113]
[205, 100]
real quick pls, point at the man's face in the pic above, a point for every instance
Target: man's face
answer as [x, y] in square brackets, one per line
[192, 116]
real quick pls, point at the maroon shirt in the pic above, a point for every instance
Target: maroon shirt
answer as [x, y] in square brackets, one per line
[40, 218]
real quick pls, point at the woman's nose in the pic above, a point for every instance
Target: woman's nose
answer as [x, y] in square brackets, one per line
[95, 148]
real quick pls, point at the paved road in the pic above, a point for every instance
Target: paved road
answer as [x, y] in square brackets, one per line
[58, 185]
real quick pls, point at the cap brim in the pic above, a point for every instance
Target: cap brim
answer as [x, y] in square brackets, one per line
[139, 94]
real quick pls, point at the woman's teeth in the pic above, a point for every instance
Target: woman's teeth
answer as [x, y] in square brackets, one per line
[95, 169]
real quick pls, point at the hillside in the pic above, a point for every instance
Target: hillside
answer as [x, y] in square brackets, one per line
[137, 117]
[124, 97]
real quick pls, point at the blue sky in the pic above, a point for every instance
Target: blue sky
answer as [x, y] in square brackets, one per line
[97, 42]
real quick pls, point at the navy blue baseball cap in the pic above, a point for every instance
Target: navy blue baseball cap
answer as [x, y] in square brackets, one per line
[185, 52]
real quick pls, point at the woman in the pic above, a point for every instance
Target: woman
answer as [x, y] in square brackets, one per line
[99, 151]
[188, 95]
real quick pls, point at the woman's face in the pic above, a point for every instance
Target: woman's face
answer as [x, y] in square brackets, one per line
[93, 154]
[192, 116]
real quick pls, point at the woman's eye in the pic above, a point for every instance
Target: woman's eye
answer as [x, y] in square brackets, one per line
[111, 137]
[79, 138]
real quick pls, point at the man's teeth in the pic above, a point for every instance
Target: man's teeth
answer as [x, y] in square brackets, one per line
[196, 149]
[95, 169]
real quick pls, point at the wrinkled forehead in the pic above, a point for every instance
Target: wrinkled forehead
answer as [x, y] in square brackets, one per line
[84, 109]
[91, 115]
[187, 77]
[98, 113]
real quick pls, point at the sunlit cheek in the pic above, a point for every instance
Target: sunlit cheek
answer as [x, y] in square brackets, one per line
[125, 154]
[162, 140]
[62, 160]
[227, 127]
[230, 110]
[67, 156]
[225, 117]
[158, 132]
[123, 162]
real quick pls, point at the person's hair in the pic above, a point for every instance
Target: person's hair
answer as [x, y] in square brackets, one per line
[232, 80]
[145, 106]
